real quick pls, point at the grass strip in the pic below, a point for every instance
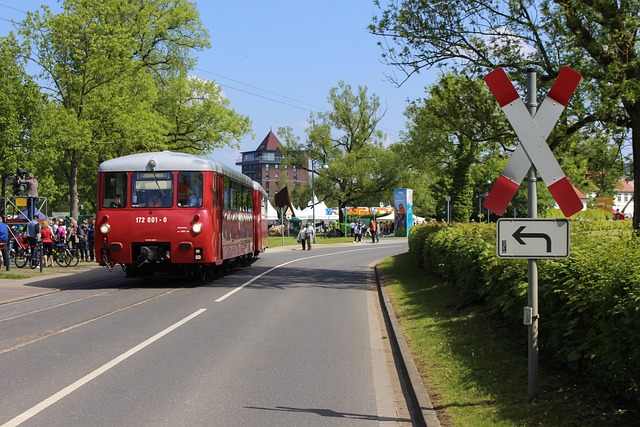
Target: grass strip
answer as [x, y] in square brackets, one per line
[476, 369]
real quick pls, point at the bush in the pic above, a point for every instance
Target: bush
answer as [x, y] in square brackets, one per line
[589, 303]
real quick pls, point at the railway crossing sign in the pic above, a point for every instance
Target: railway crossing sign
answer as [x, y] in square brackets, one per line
[533, 149]
[533, 238]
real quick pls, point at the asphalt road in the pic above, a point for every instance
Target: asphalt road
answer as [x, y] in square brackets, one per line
[292, 340]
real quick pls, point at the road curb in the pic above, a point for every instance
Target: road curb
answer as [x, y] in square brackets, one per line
[421, 407]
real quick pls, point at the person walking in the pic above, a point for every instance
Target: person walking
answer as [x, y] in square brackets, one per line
[357, 232]
[302, 236]
[310, 233]
[374, 230]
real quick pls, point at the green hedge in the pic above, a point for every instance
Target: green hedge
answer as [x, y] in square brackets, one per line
[589, 303]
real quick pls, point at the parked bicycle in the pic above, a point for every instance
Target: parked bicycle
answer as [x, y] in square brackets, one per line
[63, 256]
[27, 255]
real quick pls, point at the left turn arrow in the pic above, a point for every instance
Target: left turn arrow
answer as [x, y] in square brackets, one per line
[519, 235]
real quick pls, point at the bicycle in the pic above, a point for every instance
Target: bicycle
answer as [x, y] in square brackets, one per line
[64, 256]
[74, 255]
[34, 259]
[60, 256]
[25, 255]
[21, 256]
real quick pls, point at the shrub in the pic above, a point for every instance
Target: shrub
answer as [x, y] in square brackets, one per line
[589, 303]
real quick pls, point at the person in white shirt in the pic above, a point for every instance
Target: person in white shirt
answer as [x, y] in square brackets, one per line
[309, 235]
[302, 236]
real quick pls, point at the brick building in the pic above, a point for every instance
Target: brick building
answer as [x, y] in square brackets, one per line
[266, 165]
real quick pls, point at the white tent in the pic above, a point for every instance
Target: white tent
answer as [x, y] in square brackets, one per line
[390, 217]
[322, 213]
[272, 213]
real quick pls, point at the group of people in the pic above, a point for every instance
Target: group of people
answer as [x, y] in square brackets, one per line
[305, 236]
[358, 229]
[79, 237]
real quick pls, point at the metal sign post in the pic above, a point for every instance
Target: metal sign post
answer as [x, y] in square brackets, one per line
[533, 126]
[532, 264]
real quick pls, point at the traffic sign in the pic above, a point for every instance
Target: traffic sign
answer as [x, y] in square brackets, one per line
[533, 150]
[533, 238]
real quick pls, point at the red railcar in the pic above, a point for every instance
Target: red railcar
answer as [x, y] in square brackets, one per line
[177, 213]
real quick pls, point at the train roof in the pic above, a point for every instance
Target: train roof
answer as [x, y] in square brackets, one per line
[170, 161]
[258, 187]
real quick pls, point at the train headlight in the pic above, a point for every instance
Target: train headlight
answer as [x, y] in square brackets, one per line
[197, 227]
[105, 228]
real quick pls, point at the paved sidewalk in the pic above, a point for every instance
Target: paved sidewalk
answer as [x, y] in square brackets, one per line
[45, 283]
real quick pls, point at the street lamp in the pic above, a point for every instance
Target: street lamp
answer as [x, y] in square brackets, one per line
[480, 197]
[313, 195]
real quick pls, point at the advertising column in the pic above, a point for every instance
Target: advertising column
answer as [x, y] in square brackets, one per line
[403, 202]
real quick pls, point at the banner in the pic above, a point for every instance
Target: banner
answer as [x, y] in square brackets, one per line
[403, 201]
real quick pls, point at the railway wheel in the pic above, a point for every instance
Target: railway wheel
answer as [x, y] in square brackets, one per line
[201, 273]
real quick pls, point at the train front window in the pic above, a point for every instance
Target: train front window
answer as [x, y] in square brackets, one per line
[151, 189]
[190, 189]
[114, 190]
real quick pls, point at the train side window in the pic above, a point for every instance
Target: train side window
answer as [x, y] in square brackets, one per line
[190, 189]
[114, 187]
[214, 191]
[234, 195]
[227, 191]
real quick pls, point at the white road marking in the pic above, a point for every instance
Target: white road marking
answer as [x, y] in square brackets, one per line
[77, 325]
[26, 415]
[247, 283]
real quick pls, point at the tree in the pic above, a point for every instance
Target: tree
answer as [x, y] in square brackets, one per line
[453, 131]
[346, 139]
[21, 106]
[199, 116]
[599, 39]
[116, 72]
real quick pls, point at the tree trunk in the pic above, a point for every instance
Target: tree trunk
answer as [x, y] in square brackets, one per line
[634, 113]
[73, 185]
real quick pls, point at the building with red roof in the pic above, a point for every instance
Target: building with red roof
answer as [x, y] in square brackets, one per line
[266, 166]
[622, 201]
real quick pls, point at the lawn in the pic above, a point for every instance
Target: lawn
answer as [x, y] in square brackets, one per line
[476, 369]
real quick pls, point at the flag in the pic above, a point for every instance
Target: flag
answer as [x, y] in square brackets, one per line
[283, 200]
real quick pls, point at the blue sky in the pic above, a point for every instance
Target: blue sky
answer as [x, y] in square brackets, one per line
[277, 61]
